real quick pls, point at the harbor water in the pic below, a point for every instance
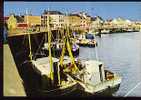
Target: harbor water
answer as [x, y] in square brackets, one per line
[120, 53]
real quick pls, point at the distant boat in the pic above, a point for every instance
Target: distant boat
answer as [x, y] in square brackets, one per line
[105, 31]
[57, 48]
[86, 40]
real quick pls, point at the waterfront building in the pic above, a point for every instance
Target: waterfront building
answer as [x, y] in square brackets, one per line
[22, 25]
[85, 20]
[137, 25]
[121, 22]
[33, 20]
[79, 20]
[97, 22]
[19, 18]
[108, 23]
[73, 20]
[11, 22]
[56, 19]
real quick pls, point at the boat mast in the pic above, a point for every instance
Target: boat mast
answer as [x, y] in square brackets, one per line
[49, 48]
[96, 51]
[69, 50]
[29, 39]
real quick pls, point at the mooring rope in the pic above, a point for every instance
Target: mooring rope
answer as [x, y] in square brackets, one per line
[132, 89]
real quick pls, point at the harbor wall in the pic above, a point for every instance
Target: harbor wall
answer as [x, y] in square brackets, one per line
[12, 81]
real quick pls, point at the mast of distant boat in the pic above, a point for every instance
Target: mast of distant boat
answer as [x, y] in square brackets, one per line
[49, 48]
[96, 51]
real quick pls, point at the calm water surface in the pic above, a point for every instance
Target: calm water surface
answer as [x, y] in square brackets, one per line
[121, 53]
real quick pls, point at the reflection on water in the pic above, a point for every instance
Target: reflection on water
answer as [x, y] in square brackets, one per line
[121, 53]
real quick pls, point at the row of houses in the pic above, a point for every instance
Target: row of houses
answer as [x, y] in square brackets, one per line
[58, 19]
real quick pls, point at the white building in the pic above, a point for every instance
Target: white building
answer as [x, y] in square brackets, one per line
[97, 21]
[120, 22]
[56, 19]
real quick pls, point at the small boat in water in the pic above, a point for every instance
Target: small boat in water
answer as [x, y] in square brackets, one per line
[86, 40]
[57, 49]
[105, 31]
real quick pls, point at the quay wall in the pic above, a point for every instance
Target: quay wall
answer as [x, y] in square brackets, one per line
[12, 81]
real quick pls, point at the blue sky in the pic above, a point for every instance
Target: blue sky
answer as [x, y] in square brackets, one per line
[128, 10]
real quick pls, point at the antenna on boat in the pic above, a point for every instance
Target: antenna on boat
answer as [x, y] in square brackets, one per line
[29, 39]
[96, 51]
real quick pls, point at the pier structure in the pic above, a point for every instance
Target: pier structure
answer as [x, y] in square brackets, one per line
[116, 27]
[99, 28]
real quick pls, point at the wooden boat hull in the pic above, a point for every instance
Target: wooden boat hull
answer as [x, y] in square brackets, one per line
[33, 85]
[72, 90]
[108, 91]
[78, 91]
[106, 88]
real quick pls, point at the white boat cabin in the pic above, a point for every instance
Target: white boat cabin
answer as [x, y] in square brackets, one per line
[94, 72]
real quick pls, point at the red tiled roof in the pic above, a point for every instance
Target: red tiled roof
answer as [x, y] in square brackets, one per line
[22, 25]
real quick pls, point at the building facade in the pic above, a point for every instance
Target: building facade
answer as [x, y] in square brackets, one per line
[73, 20]
[97, 22]
[11, 22]
[85, 21]
[121, 22]
[56, 19]
[79, 21]
[32, 20]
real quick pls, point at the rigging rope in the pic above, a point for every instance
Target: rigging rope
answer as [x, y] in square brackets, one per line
[38, 48]
[29, 40]
[49, 48]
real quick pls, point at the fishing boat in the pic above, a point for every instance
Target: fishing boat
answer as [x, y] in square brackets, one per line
[105, 31]
[57, 48]
[45, 75]
[94, 78]
[57, 45]
[86, 40]
[65, 76]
